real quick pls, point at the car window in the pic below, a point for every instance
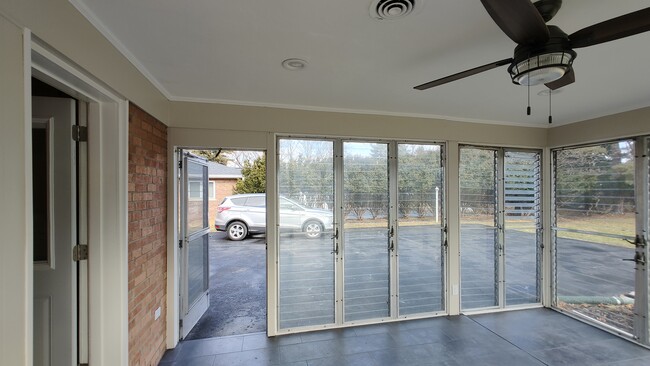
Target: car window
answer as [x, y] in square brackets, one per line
[288, 205]
[238, 201]
[256, 201]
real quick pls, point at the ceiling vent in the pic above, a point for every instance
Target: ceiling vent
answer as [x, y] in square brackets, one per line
[392, 9]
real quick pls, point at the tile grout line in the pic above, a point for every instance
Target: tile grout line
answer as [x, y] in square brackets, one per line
[500, 336]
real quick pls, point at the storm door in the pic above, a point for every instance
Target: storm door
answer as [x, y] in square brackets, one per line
[194, 237]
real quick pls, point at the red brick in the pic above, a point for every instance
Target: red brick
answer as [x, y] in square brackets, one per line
[147, 206]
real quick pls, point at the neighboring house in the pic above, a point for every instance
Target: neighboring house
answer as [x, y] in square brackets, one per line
[222, 183]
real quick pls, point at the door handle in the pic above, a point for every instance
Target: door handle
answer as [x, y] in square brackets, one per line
[336, 242]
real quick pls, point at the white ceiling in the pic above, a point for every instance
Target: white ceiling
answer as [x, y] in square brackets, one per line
[230, 51]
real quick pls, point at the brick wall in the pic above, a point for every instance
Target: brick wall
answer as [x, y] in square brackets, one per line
[147, 237]
[224, 187]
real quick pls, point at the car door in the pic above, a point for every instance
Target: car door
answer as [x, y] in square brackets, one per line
[290, 214]
[256, 211]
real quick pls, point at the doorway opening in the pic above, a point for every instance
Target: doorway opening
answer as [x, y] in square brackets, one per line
[235, 192]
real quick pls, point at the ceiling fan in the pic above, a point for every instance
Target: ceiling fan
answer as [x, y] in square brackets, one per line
[544, 53]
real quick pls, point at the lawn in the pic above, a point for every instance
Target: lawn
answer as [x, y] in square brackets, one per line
[596, 229]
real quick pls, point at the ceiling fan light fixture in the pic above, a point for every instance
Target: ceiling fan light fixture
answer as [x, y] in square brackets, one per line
[541, 69]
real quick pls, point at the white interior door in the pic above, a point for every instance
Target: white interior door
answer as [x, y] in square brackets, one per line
[55, 274]
[195, 229]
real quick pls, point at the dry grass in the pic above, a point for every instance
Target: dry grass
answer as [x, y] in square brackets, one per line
[604, 224]
[617, 316]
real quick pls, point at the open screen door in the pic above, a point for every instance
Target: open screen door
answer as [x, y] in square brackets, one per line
[194, 237]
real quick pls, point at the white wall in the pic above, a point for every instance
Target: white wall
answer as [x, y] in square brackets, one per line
[15, 221]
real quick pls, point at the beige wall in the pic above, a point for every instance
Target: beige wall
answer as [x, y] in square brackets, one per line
[626, 124]
[203, 116]
[15, 270]
[60, 25]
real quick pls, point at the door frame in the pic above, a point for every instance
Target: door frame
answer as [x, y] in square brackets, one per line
[107, 196]
[181, 139]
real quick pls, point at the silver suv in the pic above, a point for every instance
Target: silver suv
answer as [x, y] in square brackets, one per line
[242, 214]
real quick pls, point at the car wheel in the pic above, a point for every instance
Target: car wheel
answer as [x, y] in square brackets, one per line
[237, 230]
[313, 229]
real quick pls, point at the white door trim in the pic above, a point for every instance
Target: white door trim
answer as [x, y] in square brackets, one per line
[107, 197]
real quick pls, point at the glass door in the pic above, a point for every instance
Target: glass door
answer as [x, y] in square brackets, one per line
[195, 297]
[522, 227]
[501, 232]
[366, 231]
[306, 241]
[479, 234]
[420, 234]
[600, 234]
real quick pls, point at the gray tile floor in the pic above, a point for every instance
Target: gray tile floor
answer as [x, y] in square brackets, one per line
[525, 337]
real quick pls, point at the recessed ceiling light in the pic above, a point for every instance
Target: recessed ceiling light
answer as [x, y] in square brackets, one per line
[294, 64]
[392, 9]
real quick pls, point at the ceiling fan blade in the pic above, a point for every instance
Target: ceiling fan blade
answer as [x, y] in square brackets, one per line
[613, 29]
[568, 78]
[463, 74]
[518, 19]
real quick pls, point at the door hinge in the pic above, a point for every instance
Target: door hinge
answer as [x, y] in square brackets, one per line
[80, 253]
[180, 244]
[79, 133]
[180, 164]
[180, 323]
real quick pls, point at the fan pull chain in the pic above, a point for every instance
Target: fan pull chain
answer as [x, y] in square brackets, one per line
[550, 117]
[528, 108]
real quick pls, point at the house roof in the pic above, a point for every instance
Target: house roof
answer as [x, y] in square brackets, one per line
[216, 170]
